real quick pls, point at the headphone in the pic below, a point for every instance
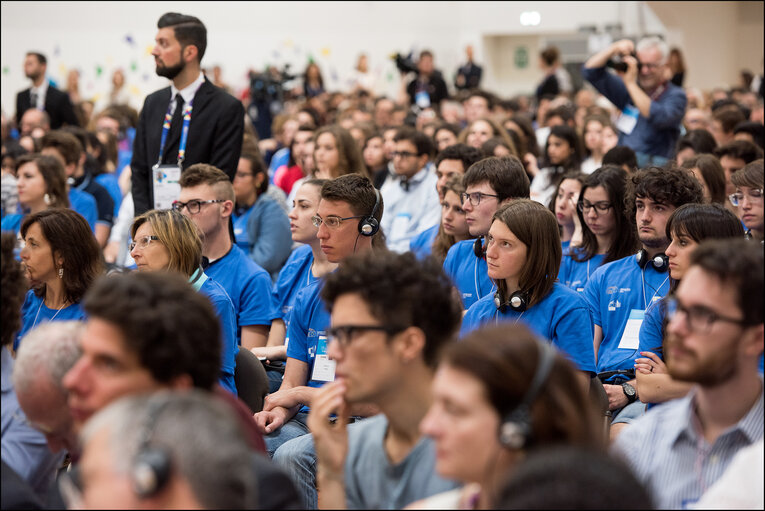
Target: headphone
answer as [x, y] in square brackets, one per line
[368, 226]
[660, 262]
[515, 431]
[518, 301]
[151, 466]
[478, 248]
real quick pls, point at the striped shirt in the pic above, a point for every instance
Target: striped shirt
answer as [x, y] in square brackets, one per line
[667, 451]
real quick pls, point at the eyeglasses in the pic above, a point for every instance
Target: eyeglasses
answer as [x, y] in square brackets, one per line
[403, 154]
[333, 222]
[697, 318]
[755, 195]
[600, 207]
[142, 242]
[475, 197]
[194, 206]
[343, 334]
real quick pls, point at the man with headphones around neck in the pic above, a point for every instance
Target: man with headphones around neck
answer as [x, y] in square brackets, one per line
[348, 219]
[489, 183]
[619, 292]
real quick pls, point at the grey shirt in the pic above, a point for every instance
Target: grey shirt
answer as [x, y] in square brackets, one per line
[373, 482]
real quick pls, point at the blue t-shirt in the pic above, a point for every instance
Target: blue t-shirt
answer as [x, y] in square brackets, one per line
[575, 274]
[469, 273]
[562, 317]
[34, 313]
[422, 244]
[248, 285]
[12, 222]
[241, 235]
[564, 245]
[227, 316]
[84, 204]
[613, 292]
[110, 182]
[294, 276]
[308, 325]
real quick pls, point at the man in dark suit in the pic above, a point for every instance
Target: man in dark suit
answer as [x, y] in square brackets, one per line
[216, 124]
[43, 95]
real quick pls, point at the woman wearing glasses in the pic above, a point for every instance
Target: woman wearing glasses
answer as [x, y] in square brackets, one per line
[61, 259]
[523, 255]
[748, 198]
[607, 233]
[166, 240]
[688, 226]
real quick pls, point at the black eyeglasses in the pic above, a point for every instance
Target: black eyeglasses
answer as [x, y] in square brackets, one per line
[344, 333]
[698, 318]
[600, 207]
[194, 206]
[475, 197]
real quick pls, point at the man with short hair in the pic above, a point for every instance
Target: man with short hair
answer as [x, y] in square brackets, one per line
[724, 121]
[34, 123]
[391, 314]
[733, 157]
[489, 183]
[428, 88]
[43, 96]
[469, 74]
[478, 104]
[619, 292]
[349, 212]
[652, 107]
[207, 197]
[714, 340]
[192, 121]
[410, 198]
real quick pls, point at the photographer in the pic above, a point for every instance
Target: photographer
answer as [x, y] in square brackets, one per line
[428, 88]
[652, 107]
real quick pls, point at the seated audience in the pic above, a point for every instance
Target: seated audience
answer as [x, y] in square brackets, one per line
[707, 169]
[748, 198]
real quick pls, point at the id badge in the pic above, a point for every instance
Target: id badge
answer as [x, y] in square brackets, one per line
[422, 99]
[165, 182]
[631, 337]
[323, 367]
[628, 120]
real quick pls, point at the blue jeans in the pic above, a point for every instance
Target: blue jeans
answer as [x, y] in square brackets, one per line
[298, 458]
[295, 427]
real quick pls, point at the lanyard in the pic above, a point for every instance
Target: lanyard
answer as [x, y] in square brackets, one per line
[184, 130]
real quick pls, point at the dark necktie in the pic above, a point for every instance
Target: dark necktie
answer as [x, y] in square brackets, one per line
[175, 124]
[33, 99]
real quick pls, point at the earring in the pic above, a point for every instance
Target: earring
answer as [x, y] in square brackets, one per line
[61, 273]
[46, 198]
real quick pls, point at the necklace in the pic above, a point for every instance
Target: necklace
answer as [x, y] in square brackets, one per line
[38, 313]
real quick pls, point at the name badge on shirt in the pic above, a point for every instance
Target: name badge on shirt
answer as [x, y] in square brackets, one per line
[323, 367]
[631, 337]
[422, 99]
[628, 120]
[165, 181]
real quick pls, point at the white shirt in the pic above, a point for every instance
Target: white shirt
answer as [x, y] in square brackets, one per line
[409, 212]
[187, 93]
[41, 91]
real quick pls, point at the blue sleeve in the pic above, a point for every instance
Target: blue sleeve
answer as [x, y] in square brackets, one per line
[450, 263]
[256, 307]
[269, 230]
[669, 111]
[612, 87]
[573, 336]
[651, 331]
[592, 295]
[470, 321]
[26, 451]
[297, 347]
[227, 316]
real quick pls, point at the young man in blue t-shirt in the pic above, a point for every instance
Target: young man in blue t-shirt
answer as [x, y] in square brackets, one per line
[348, 219]
[619, 292]
[489, 183]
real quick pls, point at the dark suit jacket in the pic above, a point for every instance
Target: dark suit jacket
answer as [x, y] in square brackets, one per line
[215, 137]
[57, 105]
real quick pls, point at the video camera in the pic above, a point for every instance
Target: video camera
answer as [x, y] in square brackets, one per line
[405, 64]
[267, 93]
[617, 63]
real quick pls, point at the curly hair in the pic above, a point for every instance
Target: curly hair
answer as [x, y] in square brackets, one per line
[667, 185]
[173, 329]
[13, 288]
[400, 291]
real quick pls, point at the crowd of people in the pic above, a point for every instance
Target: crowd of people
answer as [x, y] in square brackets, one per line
[434, 301]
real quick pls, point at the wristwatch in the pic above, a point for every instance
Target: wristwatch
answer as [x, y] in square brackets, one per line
[630, 392]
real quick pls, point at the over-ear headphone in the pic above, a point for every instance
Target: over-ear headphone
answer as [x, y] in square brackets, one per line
[660, 262]
[515, 431]
[151, 466]
[368, 226]
[478, 247]
[518, 301]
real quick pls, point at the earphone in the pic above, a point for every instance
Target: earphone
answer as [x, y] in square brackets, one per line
[660, 262]
[518, 301]
[151, 466]
[515, 429]
[368, 226]
[478, 247]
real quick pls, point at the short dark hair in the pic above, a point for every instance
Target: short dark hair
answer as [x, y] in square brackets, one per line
[739, 265]
[668, 185]
[39, 56]
[490, 99]
[505, 175]
[550, 55]
[13, 289]
[69, 235]
[65, 143]
[751, 175]
[739, 150]
[728, 117]
[173, 329]
[355, 190]
[53, 174]
[188, 30]
[258, 166]
[400, 291]
[755, 129]
[206, 174]
[712, 173]
[701, 141]
[419, 140]
[565, 112]
[621, 155]
[466, 154]
[703, 221]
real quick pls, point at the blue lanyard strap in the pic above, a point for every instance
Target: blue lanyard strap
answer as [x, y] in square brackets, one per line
[184, 130]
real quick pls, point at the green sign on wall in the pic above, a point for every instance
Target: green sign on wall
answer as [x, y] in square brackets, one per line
[521, 57]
